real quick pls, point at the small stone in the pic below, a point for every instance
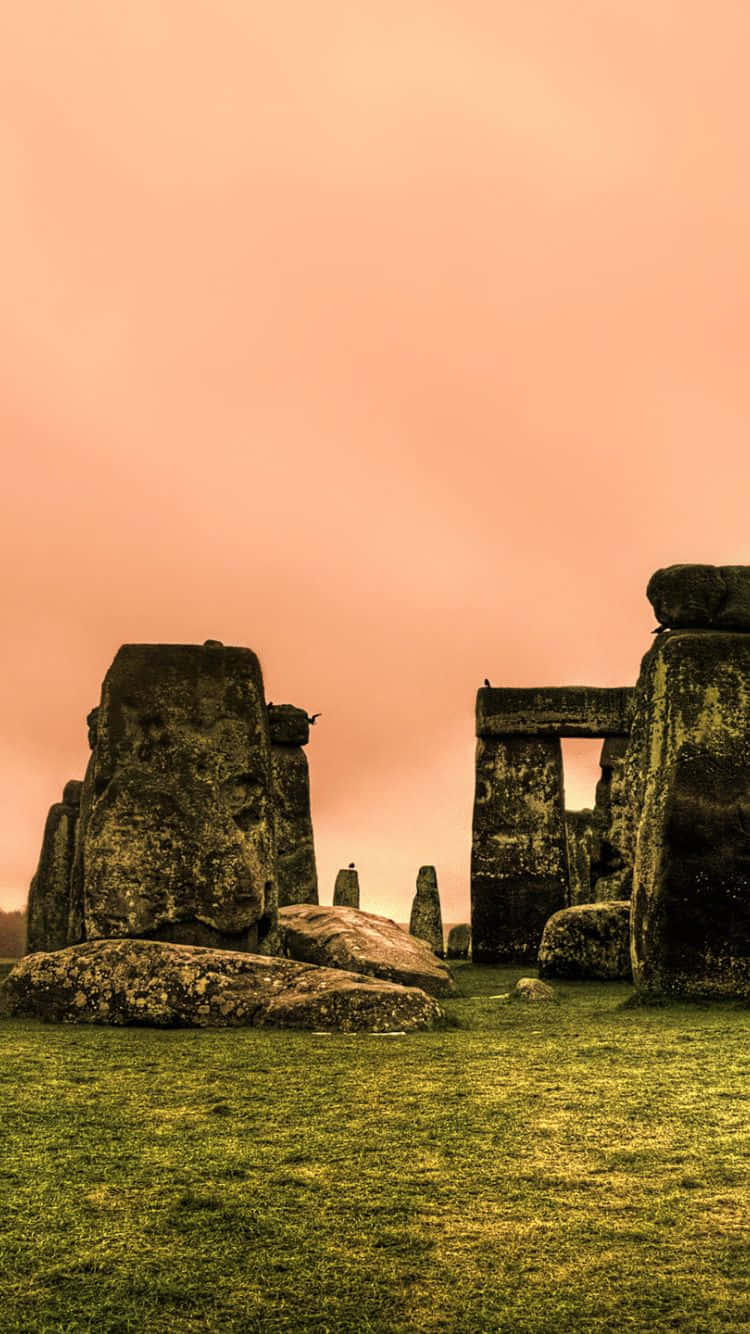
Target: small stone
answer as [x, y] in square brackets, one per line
[459, 942]
[531, 989]
[346, 889]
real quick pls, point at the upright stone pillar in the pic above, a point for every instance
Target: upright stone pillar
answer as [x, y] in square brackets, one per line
[426, 921]
[49, 893]
[178, 843]
[690, 911]
[611, 869]
[519, 869]
[295, 850]
[580, 829]
[346, 889]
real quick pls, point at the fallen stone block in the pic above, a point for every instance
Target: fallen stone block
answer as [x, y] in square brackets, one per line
[144, 982]
[361, 942]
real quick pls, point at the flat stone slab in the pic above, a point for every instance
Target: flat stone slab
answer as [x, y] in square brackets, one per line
[362, 942]
[555, 711]
[150, 983]
[590, 941]
[697, 597]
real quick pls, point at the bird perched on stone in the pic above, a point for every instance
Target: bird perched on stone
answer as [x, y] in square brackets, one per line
[311, 718]
[350, 867]
[486, 682]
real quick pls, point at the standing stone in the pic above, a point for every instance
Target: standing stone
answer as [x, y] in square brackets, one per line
[426, 922]
[346, 889]
[519, 864]
[295, 850]
[459, 942]
[49, 893]
[580, 832]
[689, 760]
[611, 875]
[178, 841]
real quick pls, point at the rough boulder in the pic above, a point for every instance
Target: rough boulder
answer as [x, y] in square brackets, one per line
[155, 984]
[588, 941]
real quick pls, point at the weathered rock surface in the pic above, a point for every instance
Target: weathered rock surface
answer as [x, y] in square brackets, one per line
[553, 711]
[701, 596]
[581, 837]
[295, 848]
[689, 761]
[48, 907]
[589, 941]
[178, 840]
[426, 921]
[519, 863]
[152, 983]
[459, 942]
[531, 989]
[363, 943]
[346, 889]
[611, 877]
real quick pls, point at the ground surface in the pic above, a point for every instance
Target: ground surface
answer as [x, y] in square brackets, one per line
[530, 1168]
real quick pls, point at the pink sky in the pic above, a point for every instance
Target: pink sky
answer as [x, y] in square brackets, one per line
[398, 341]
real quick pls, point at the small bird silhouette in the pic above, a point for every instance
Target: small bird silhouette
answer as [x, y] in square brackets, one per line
[269, 704]
[311, 719]
[486, 682]
[350, 867]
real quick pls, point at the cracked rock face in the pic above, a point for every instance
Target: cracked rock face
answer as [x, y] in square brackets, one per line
[591, 941]
[178, 838]
[150, 983]
[692, 597]
[362, 942]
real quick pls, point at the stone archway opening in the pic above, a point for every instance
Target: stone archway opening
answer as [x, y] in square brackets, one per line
[581, 771]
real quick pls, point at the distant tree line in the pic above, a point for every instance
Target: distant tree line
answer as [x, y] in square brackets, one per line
[12, 933]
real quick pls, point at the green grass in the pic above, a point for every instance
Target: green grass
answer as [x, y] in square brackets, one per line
[529, 1168]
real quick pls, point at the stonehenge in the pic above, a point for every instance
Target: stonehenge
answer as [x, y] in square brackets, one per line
[192, 827]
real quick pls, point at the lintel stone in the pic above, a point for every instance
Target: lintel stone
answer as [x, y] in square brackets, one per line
[554, 711]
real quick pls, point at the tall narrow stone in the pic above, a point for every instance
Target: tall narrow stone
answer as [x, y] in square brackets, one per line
[295, 848]
[346, 889]
[426, 922]
[178, 843]
[49, 893]
[689, 761]
[580, 832]
[611, 871]
[519, 865]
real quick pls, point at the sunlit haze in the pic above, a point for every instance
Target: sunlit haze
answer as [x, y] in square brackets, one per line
[399, 342]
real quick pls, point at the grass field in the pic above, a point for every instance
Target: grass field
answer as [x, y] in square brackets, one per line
[529, 1168]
